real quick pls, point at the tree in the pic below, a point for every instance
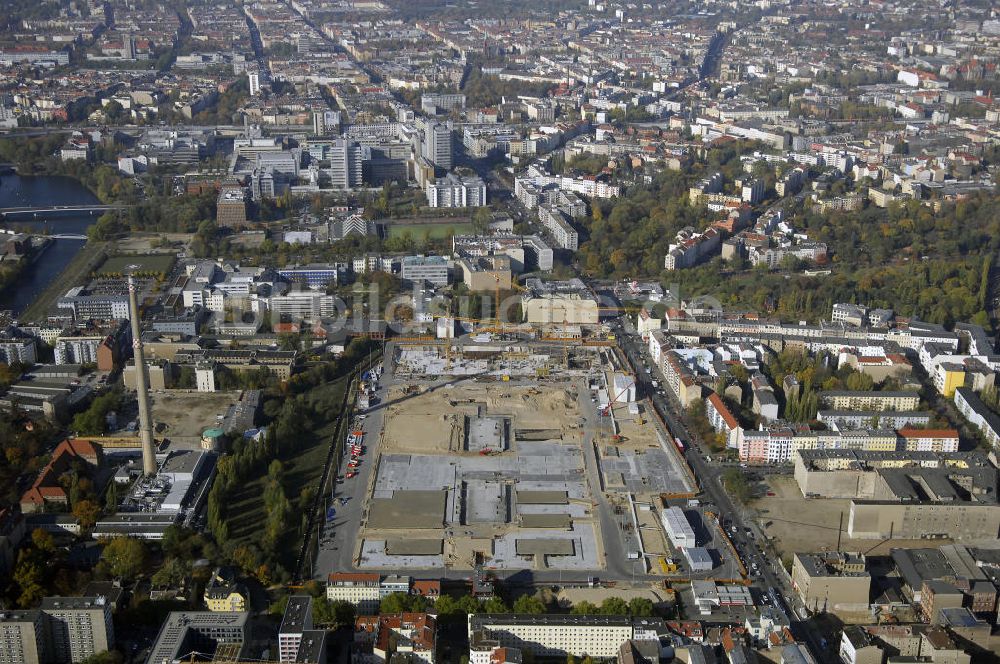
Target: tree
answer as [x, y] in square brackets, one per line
[640, 607]
[584, 608]
[87, 512]
[28, 575]
[394, 603]
[614, 606]
[343, 612]
[125, 556]
[111, 497]
[42, 540]
[860, 382]
[497, 605]
[171, 574]
[737, 485]
[528, 604]
[481, 219]
[468, 604]
[445, 606]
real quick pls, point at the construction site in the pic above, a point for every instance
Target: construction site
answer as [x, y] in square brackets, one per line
[529, 455]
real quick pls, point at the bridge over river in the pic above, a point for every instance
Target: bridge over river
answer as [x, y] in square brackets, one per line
[55, 209]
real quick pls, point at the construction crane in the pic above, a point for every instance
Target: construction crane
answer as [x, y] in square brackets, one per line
[607, 409]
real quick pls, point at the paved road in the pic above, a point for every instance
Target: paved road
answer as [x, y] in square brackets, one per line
[613, 540]
[748, 536]
[338, 538]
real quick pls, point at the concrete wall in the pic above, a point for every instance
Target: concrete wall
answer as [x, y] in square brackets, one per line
[836, 483]
[879, 520]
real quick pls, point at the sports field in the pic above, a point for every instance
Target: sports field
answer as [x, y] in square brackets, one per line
[435, 231]
[147, 264]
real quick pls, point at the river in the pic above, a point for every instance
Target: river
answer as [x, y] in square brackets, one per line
[16, 191]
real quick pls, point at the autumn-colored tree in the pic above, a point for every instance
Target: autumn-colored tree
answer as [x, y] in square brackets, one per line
[125, 557]
[28, 576]
[87, 512]
[42, 540]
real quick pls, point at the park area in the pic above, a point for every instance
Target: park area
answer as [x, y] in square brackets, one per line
[303, 467]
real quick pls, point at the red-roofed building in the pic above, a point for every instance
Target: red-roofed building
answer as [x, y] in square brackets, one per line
[428, 589]
[723, 420]
[377, 637]
[505, 656]
[84, 455]
[928, 440]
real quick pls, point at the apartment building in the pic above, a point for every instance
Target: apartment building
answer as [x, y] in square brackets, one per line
[78, 627]
[691, 247]
[360, 589]
[557, 223]
[928, 440]
[23, 638]
[646, 322]
[680, 378]
[436, 146]
[659, 343]
[102, 350]
[861, 419]
[554, 635]
[453, 191]
[978, 414]
[778, 444]
[723, 420]
[223, 592]
[874, 401]
[948, 377]
[773, 445]
[15, 350]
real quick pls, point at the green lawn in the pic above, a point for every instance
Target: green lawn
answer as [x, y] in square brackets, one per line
[435, 231]
[149, 263]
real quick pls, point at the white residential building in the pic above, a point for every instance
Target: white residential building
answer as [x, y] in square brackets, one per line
[554, 635]
[360, 589]
[979, 415]
[453, 191]
[723, 420]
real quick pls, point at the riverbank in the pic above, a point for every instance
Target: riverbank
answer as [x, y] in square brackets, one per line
[83, 263]
[34, 157]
